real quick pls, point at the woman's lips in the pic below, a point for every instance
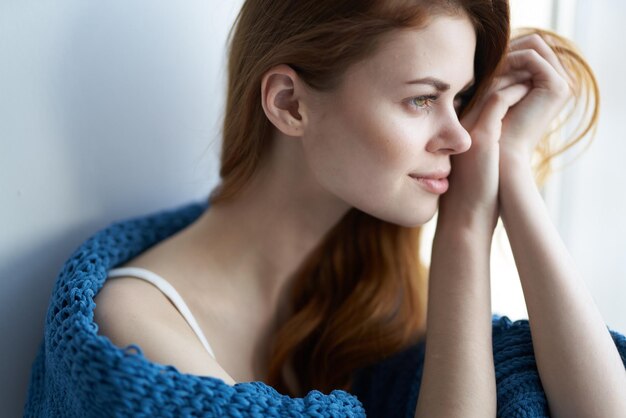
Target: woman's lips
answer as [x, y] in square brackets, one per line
[438, 186]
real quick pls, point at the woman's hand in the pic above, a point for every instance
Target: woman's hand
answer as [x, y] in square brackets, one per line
[527, 93]
[474, 178]
[561, 311]
[527, 122]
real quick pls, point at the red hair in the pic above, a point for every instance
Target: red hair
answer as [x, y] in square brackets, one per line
[360, 295]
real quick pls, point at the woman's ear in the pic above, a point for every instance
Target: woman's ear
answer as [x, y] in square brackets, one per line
[281, 97]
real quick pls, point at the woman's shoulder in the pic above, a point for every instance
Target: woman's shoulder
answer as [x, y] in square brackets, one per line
[132, 311]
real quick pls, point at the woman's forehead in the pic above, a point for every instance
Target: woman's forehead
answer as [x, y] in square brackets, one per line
[443, 49]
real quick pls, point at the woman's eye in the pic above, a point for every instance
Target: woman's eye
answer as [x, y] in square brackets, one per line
[422, 102]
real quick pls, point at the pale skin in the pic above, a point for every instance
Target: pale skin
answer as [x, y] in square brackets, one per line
[355, 147]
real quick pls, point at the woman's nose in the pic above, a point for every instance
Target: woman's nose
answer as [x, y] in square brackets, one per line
[451, 137]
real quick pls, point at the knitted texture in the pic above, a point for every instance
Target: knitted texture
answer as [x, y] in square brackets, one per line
[78, 373]
[519, 390]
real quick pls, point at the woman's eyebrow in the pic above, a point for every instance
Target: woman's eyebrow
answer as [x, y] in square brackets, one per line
[438, 84]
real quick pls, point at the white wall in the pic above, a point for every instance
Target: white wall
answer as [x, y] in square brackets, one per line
[112, 110]
[107, 110]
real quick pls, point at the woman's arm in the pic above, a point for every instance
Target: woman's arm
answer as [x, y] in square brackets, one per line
[579, 365]
[459, 376]
[577, 360]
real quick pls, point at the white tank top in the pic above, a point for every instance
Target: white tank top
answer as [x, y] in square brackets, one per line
[169, 291]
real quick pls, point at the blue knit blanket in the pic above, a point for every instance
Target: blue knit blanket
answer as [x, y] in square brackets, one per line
[78, 373]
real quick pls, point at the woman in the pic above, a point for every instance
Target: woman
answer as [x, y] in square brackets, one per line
[348, 125]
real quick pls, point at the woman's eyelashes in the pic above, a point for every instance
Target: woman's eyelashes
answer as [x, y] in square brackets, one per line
[423, 102]
[426, 102]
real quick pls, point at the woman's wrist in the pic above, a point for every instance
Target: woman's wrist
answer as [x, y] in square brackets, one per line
[515, 165]
[456, 218]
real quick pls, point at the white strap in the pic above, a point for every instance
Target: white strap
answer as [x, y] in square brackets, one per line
[169, 291]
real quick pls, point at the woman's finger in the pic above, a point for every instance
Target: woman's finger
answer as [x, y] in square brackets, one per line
[495, 109]
[544, 75]
[536, 42]
[499, 82]
[508, 79]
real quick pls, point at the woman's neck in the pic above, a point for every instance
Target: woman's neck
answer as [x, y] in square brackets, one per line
[260, 239]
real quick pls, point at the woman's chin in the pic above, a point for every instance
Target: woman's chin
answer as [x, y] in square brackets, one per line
[415, 219]
[420, 222]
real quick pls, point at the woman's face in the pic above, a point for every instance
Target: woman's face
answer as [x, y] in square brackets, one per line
[367, 138]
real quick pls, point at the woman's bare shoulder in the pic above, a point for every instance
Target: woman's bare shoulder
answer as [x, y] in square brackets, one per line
[132, 311]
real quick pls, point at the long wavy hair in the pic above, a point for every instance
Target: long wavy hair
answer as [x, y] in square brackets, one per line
[360, 295]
